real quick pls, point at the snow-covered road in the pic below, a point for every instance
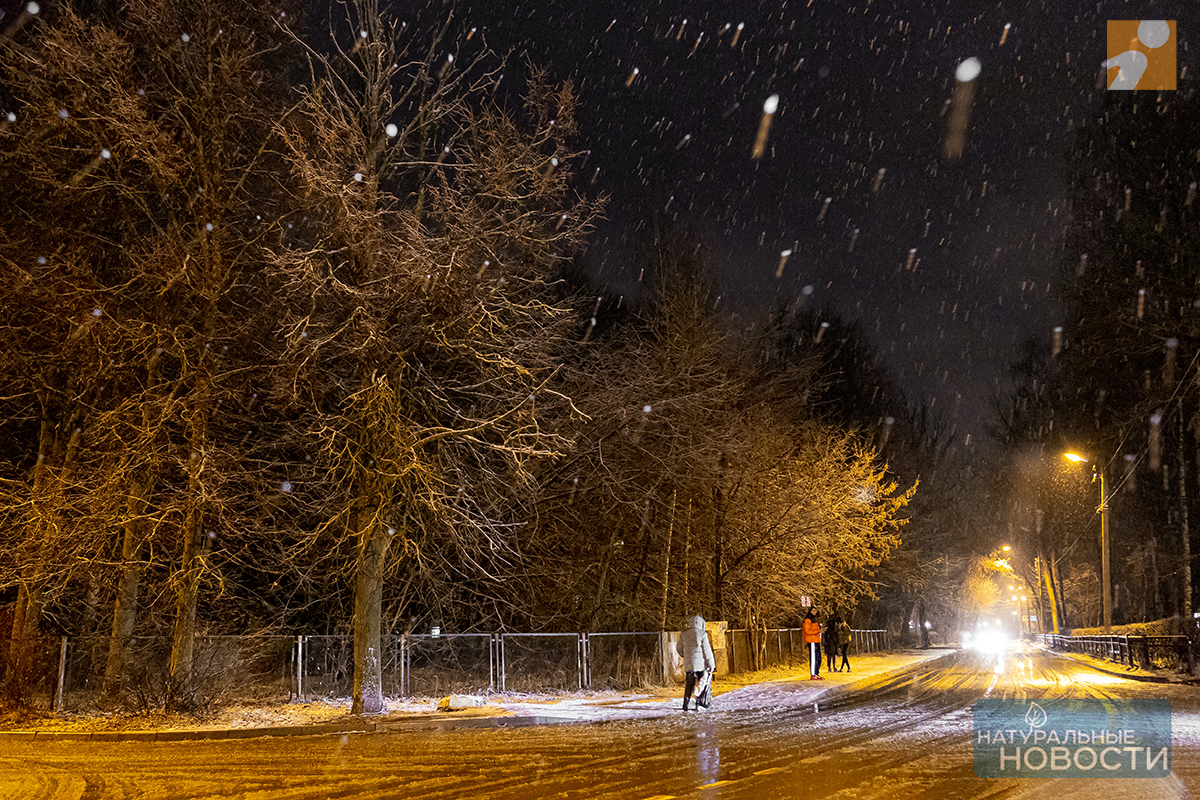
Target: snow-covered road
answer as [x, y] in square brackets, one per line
[900, 736]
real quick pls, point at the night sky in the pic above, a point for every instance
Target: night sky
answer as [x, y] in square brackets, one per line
[948, 264]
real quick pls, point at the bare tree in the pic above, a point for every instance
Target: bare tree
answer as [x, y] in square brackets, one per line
[419, 330]
[701, 480]
[143, 155]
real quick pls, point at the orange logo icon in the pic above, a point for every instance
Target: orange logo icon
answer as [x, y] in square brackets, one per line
[1141, 54]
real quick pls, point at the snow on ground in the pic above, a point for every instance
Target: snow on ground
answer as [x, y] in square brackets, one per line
[772, 687]
[1106, 665]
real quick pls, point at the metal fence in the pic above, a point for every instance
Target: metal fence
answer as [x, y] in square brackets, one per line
[624, 660]
[786, 645]
[225, 668]
[282, 668]
[1172, 653]
[870, 641]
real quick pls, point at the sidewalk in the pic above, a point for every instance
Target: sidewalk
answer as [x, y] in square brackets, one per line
[1122, 670]
[772, 687]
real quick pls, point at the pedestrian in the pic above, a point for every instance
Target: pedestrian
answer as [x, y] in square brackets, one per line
[812, 638]
[829, 643]
[698, 660]
[843, 638]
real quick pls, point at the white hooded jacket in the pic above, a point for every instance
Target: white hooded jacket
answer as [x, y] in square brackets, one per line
[694, 648]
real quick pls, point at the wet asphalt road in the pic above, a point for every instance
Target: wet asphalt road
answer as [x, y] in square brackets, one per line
[894, 739]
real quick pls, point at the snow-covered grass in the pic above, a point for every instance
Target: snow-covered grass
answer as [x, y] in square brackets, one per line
[749, 689]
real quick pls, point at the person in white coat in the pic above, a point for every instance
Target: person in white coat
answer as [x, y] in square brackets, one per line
[697, 654]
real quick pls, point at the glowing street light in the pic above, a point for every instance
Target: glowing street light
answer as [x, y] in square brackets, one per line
[1105, 581]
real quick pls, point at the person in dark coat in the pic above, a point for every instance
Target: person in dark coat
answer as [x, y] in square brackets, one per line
[829, 643]
[697, 654]
[843, 638]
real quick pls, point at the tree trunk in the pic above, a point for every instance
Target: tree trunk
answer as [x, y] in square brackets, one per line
[1044, 569]
[27, 617]
[602, 582]
[191, 569]
[19, 680]
[136, 532]
[1184, 533]
[666, 570]
[1155, 591]
[632, 605]
[718, 552]
[687, 555]
[1041, 595]
[368, 611]
[125, 607]
[1055, 573]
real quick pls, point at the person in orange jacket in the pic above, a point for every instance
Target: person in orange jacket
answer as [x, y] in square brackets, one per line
[812, 638]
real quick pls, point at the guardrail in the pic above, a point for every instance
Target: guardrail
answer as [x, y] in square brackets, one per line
[1148, 652]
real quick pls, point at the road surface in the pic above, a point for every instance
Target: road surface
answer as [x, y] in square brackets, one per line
[894, 738]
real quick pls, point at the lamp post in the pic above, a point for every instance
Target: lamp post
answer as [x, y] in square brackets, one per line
[1105, 581]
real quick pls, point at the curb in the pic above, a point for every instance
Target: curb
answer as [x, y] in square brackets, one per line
[494, 721]
[182, 736]
[422, 722]
[1131, 676]
[417, 722]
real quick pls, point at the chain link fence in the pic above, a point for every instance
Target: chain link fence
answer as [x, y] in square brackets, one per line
[267, 669]
[224, 669]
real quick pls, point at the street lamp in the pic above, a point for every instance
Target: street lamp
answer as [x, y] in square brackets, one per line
[1105, 582]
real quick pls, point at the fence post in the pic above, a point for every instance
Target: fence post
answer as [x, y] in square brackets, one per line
[406, 656]
[493, 656]
[587, 658]
[405, 688]
[579, 660]
[62, 671]
[299, 677]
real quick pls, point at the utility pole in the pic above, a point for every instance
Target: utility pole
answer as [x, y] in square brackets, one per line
[1105, 577]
